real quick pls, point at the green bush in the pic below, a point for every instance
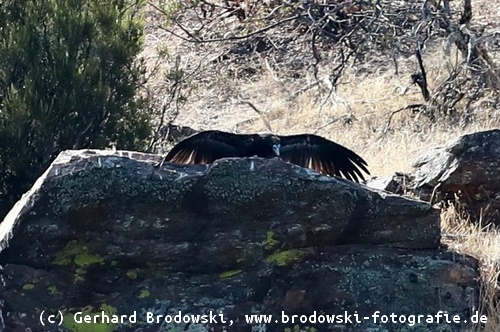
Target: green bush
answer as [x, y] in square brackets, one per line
[69, 76]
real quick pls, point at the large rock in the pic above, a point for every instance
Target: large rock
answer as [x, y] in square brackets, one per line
[107, 232]
[464, 172]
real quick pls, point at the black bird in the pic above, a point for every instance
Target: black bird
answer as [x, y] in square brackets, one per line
[305, 150]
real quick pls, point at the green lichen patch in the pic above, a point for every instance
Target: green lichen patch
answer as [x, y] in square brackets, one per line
[283, 258]
[85, 259]
[132, 275]
[270, 241]
[71, 324]
[79, 255]
[143, 294]
[229, 274]
[80, 274]
[28, 287]
[53, 290]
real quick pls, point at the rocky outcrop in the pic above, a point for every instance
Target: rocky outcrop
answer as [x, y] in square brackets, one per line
[464, 172]
[107, 233]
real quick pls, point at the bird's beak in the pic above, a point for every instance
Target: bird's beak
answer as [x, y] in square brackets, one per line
[276, 149]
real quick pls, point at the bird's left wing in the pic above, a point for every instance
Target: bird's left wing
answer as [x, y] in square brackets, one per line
[204, 148]
[323, 155]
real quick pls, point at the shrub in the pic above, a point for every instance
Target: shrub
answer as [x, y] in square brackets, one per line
[68, 80]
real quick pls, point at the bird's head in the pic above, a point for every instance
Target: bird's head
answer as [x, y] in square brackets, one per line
[267, 146]
[276, 148]
[275, 143]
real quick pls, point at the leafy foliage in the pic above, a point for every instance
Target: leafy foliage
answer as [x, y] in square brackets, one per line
[68, 80]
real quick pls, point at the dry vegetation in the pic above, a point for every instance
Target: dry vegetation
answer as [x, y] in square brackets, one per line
[356, 115]
[483, 243]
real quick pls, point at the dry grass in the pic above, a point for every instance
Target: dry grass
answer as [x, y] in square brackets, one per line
[357, 116]
[368, 102]
[466, 238]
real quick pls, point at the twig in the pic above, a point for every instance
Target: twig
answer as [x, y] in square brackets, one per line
[199, 40]
[421, 78]
[260, 113]
[409, 107]
[343, 117]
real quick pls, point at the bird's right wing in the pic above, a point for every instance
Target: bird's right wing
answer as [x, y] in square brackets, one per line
[204, 148]
[323, 155]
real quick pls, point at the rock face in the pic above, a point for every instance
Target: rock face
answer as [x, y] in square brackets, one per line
[464, 172]
[107, 234]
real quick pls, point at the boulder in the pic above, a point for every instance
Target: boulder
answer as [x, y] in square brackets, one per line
[397, 184]
[106, 233]
[465, 172]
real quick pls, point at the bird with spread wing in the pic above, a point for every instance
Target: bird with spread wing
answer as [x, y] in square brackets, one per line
[305, 150]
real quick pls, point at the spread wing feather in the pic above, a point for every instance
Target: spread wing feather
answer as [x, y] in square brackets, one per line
[309, 151]
[204, 148]
[323, 155]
